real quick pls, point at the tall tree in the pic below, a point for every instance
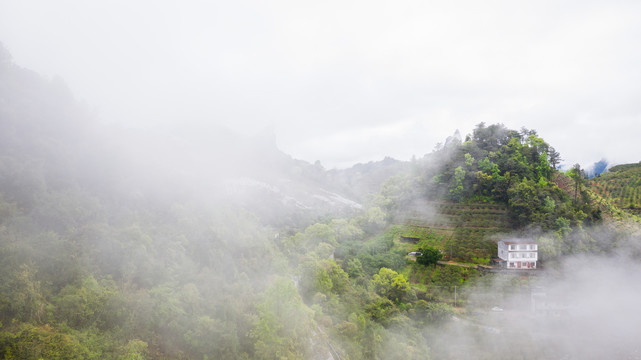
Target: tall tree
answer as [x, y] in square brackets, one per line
[554, 157]
[578, 175]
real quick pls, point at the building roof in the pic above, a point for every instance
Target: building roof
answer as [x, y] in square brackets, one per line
[519, 241]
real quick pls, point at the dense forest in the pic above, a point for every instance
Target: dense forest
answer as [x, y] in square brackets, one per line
[121, 245]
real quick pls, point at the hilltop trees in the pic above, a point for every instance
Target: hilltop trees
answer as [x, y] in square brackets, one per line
[485, 166]
[554, 157]
[517, 168]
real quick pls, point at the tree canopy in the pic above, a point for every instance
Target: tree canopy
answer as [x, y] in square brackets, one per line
[429, 255]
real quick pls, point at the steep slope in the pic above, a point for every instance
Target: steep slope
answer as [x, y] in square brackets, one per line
[497, 181]
[48, 140]
[362, 180]
[117, 243]
[621, 185]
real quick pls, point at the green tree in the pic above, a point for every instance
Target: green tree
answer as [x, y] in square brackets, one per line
[578, 175]
[21, 295]
[84, 304]
[338, 277]
[134, 350]
[469, 160]
[314, 278]
[355, 268]
[524, 201]
[457, 191]
[346, 230]
[42, 342]
[554, 157]
[283, 328]
[432, 312]
[390, 284]
[430, 255]
[317, 233]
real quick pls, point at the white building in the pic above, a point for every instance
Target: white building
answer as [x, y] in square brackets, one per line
[518, 253]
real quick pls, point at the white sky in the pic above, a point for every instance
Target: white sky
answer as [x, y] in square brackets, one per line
[349, 81]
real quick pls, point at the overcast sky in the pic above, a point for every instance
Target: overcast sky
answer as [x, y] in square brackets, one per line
[349, 81]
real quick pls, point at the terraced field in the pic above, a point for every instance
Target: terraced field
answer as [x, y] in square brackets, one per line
[448, 216]
[464, 229]
[622, 186]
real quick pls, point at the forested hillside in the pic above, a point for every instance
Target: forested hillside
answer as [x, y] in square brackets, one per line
[515, 168]
[114, 251]
[494, 182]
[119, 244]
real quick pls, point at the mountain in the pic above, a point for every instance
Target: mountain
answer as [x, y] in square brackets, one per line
[49, 140]
[121, 243]
[118, 243]
[362, 180]
[497, 181]
[497, 165]
[196, 242]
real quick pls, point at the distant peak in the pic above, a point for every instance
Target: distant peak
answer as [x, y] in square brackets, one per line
[265, 137]
[456, 138]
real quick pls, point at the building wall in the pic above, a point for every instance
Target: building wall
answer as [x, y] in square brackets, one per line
[518, 256]
[521, 264]
[503, 250]
[522, 256]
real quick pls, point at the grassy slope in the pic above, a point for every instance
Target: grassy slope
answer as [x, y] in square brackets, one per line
[621, 186]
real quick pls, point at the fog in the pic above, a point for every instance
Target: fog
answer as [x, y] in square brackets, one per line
[583, 308]
[347, 83]
[209, 180]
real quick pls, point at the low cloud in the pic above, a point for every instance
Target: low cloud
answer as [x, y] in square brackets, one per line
[581, 307]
